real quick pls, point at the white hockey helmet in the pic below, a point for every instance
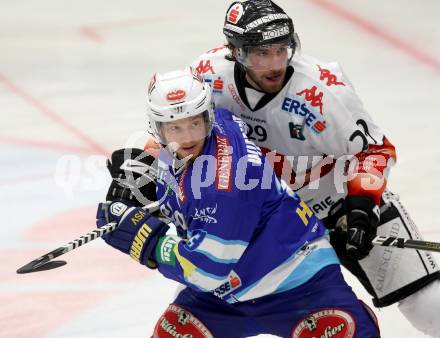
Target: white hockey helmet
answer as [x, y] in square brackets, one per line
[177, 95]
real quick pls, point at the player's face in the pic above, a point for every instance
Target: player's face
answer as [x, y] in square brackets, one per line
[186, 136]
[266, 66]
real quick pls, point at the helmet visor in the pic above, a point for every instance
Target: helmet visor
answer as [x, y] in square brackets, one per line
[266, 57]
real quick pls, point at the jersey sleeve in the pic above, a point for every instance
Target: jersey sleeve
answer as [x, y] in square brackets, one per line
[349, 134]
[218, 238]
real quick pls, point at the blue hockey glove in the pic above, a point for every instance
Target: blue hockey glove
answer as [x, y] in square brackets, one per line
[137, 233]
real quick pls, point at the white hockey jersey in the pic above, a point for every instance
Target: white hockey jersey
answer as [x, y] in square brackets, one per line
[315, 130]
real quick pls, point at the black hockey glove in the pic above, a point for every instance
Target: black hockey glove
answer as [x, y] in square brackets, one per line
[354, 221]
[362, 221]
[134, 174]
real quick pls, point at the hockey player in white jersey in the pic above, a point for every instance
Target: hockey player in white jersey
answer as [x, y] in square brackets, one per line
[306, 115]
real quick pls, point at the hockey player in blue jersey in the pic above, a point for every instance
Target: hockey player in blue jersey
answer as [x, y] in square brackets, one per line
[254, 257]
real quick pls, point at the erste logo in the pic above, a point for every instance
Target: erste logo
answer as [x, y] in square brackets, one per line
[235, 13]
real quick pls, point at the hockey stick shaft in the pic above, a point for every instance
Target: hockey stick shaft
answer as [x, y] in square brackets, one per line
[44, 259]
[406, 243]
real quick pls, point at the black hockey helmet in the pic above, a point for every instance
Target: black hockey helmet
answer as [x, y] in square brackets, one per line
[257, 22]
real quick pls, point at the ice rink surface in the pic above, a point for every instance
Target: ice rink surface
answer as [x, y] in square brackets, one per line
[72, 89]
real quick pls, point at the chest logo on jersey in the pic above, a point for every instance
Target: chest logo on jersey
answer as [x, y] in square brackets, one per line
[330, 79]
[313, 96]
[223, 155]
[314, 122]
[206, 214]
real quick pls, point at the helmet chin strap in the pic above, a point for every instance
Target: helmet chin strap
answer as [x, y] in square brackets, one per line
[177, 164]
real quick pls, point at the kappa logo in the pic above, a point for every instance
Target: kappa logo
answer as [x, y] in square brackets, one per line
[205, 67]
[235, 13]
[326, 323]
[311, 95]
[206, 215]
[176, 95]
[331, 78]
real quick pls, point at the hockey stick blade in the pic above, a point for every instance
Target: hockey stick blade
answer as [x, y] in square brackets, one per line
[37, 264]
[45, 262]
[406, 243]
[32, 267]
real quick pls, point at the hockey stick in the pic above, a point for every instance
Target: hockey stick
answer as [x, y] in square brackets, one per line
[403, 243]
[45, 262]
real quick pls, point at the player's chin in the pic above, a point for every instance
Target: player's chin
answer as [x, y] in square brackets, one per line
[272, 84]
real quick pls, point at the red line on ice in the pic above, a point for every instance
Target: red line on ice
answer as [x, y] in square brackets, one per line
[380, 33]
[37, 104]
[34, 143]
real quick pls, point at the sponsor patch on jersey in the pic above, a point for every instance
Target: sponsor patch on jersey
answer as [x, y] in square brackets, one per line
[235, 13]
[182, 195]
[328, 323]
[296, 131]
[179, 323]
[315, 122]
[230, 285]
[223, 155]
[217, 86]
[206, 215]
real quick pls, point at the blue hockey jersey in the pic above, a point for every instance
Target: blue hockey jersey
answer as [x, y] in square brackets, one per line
[241, 234]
